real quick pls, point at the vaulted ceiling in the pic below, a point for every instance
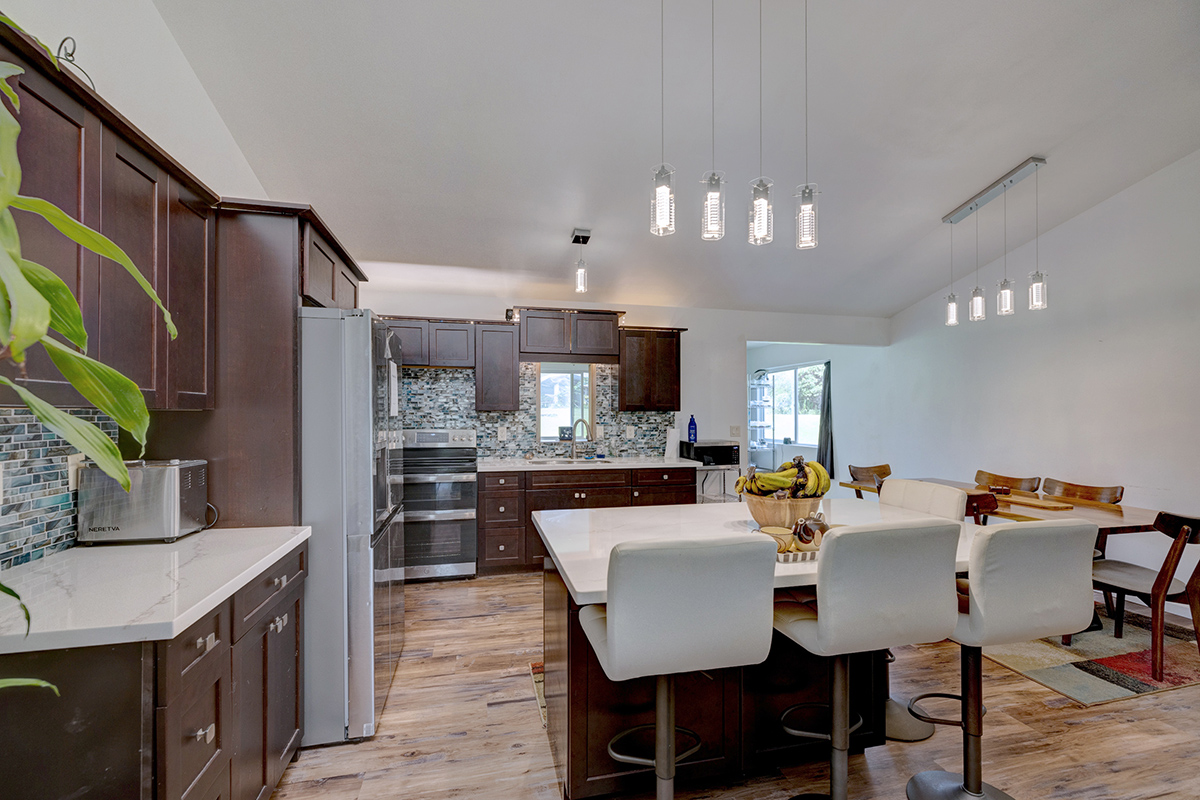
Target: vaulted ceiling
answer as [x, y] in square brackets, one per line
[477, 134]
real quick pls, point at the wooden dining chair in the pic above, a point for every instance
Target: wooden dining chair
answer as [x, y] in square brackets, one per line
[1153, 588]
[980, 504]
[1016, 484]
[1079, 491]
[869, 474]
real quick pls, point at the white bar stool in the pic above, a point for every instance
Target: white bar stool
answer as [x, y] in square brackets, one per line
[1027, 580]
[878, 586]
[940, 501]
[677, 606]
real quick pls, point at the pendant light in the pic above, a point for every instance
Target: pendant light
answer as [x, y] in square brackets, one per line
[761, 222]
[580, 237]
[1005, 301]
[712, 223]
[951, 299]
[806, 193]
[978, 308]
[1037, 281]
[662, 199]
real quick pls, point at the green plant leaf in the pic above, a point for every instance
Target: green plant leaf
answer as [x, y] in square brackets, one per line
[97, 242]
[8, 70]
[107, 389]
[84, 436]
[5, 683]
[5, 590]
[10, 164]
[65, 316]
[8, 21]
[5, 315]
[29, 311]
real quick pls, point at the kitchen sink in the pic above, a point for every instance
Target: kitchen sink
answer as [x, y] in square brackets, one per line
[541, 462]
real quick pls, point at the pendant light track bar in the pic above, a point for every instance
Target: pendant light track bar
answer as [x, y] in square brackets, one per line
[1014, 176]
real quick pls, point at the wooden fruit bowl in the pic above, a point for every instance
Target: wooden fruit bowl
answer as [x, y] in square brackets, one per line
[771, 512]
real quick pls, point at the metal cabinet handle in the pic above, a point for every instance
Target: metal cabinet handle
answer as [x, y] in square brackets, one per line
[583, 494]
[281, 582]
[206, 735]
[502, 481]
[635, 494]
[501, 548]
[206, 643]
[666, 477]
[577, 495]
[279, 624]
[501, 509]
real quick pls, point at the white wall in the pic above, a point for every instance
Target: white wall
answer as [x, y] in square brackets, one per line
[139, 69]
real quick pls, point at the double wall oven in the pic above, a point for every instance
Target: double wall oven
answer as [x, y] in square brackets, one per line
[439, 503]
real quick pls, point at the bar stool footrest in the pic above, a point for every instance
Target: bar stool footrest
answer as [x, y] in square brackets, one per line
[912, 708]
[937, 785]
[628, 758]
[810, 734]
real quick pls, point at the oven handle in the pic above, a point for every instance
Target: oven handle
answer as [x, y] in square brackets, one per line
[451, 477]
[437, 516]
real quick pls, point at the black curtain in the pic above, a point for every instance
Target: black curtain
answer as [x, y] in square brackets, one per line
[825, 432]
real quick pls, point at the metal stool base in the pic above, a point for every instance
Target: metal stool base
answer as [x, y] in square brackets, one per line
[937, 785]
[901, 726]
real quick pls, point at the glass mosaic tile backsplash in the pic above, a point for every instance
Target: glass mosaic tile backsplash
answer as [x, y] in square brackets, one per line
[38, 511]
[445, 398]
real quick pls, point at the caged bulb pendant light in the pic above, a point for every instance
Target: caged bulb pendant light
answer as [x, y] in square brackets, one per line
[762, 229]
[977, 310]
[1005, 301]
[806, 193]
[951, 299]
[662, 200]
[712, 222]
[1037, 280]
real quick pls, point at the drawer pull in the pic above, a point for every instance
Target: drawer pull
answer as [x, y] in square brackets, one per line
[501, 548]
[577, 495]
[280, 582]
[501, 509]
[279, 624]
[583, 494]
[206, 735]
[666, 477]
[207, 643]
[635, 494]
[502, 481]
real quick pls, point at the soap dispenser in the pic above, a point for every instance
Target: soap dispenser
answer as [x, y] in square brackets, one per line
[692, 429]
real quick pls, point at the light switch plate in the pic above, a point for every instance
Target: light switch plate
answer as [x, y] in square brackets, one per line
[735, 430]
[502, 432]
[630, 431]
[73, 464]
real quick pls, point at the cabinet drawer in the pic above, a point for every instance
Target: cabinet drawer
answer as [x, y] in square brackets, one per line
[554, 479]
[187, 655]
[664, 476]
[194, 737]
[584, 497]
[501, 480]
[663, 495]
[502, 546]
[501, 508]
[254, 599]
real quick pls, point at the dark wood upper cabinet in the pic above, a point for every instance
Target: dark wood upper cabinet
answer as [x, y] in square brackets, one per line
[545, 331]
[451, 344]
[595, 334]
[414, 340]
[191, 299]
[497, 367]
[649, 371]
[327, 279]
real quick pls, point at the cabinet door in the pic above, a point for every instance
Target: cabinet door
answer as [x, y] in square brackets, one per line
[595, 334]
[664, 371]
[414, 340]
[634, 378]
[194, 735]
[128, 328]
[345, 289]
[663, 495]
[285, 682]
[451, 344]
[59, 149]
[319, 270]
[497, 368]
[191, 297]
[545, 331]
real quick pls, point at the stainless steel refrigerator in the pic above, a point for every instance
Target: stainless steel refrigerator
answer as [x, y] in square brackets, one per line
[352, 495]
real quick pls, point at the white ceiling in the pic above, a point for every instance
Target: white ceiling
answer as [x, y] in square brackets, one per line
[477, 134]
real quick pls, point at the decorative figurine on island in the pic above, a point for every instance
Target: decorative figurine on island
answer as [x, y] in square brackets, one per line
[785, 503]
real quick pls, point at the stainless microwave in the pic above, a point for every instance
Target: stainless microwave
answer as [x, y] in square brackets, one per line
[712, 452]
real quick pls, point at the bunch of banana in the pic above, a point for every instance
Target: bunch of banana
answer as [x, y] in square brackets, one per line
[817, 481]
[765, 484]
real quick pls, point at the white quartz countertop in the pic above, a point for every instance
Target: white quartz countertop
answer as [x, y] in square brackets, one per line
[111, 594]
[615, 462]
[580, 540]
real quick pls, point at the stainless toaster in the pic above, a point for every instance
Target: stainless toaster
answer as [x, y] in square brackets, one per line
[166, 500]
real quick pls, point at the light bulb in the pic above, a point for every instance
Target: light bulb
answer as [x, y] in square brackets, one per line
[1037, 291]
[951, 309]
[806, 216]
[712, 224]
[978, 309]
[662, 202]
[580, 276]
[1005, 305]
[762, 229]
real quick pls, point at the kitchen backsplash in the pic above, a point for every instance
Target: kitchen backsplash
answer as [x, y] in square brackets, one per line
[445, 398]
[38, 511]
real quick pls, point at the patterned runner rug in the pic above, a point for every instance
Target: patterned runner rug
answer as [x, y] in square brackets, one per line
[1098, 668]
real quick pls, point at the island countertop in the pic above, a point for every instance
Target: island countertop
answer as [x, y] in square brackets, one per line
[521, 464]
[579, 540]
[111, 594]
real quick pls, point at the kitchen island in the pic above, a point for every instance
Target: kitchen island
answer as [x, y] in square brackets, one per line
[735, 711]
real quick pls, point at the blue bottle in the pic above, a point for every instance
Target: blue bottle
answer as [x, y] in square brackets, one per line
[692, 429]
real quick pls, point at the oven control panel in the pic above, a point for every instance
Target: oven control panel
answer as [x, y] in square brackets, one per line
[439, 437]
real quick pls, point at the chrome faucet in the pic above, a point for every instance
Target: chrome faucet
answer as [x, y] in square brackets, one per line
[587, 430]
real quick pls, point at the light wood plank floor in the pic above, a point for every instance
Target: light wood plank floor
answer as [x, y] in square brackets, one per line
[461, 722]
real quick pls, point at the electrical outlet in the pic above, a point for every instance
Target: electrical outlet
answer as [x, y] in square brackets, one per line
[502, 432]
[73, 464]
[599, 432]
[735, 430]
[630, 431]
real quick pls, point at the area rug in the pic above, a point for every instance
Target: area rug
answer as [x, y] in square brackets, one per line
[537, 672]
[1098, 668]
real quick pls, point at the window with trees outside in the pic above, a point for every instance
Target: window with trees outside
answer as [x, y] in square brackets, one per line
[795, 395]
[566, 395]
